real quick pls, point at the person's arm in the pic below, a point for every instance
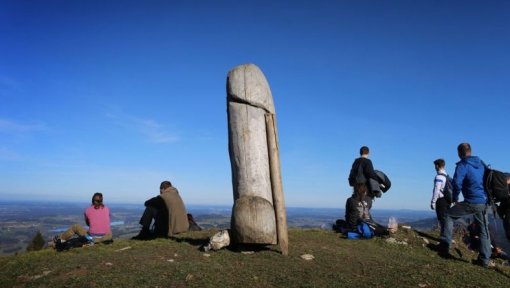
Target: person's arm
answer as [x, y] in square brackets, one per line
[458, 178]
[86, 218]
[439, 182]
[155, 202]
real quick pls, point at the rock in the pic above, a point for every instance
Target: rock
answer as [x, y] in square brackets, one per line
[307, 257]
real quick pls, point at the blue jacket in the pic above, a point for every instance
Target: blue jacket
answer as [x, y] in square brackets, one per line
[468, 178]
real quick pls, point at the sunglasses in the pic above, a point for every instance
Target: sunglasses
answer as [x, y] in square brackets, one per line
[98, 200]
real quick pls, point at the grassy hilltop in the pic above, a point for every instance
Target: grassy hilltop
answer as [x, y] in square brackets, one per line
[179, 263]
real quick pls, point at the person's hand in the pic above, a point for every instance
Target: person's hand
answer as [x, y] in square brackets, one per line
[433, 206]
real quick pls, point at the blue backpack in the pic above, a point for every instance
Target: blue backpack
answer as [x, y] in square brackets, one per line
[365, 230]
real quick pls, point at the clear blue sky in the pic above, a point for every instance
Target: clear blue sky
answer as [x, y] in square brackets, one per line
[116, 96]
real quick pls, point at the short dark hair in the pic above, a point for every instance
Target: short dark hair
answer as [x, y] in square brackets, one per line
[165, 184]
[363, 150]
[439, 162]
[464, 149]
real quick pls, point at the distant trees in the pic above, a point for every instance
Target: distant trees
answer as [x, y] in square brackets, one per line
[37, 242]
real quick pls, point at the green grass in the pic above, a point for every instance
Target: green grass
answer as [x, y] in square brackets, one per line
[338, 263]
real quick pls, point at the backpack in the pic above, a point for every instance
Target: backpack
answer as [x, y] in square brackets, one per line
[359, 177]
[365, 230]
[448, 188]
[193, 226]
[75, 242]
[217, 241]
[494, 183]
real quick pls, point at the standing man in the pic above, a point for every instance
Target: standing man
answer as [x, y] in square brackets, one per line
[168, 213]
[468, 178]
[362, 172]
[439, 201]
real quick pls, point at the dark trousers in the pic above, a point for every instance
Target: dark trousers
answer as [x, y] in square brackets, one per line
[504, 213]
[149, 215]
[441, 207]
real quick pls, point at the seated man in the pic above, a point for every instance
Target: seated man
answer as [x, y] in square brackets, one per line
[168, 213]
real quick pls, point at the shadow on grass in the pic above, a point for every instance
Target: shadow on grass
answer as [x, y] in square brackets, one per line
[250, 247]
[192, 241]
[428, 236]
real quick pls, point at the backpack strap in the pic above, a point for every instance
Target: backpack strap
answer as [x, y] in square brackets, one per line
[444, 184]
[486, 188]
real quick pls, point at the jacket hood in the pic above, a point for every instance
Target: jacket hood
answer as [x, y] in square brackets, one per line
[473, 161]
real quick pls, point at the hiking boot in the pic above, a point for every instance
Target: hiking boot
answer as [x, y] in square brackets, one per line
[443, 250]
[144, 235]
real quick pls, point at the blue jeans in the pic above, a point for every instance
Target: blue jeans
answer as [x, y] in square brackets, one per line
[479, 211]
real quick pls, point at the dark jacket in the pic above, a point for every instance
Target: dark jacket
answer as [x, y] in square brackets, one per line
[356, 210]
[366, 166]
[468, 179]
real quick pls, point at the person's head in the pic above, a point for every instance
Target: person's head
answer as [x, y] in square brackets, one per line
[439, 164]
[364, 150]
[464, 150]
[97, 200]
[164, 185]
[360, 190]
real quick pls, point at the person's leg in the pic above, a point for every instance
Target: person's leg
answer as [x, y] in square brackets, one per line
[103, 238]
[505, 217]
[480, 217]
[148, 215]
[441, 208]
[453, 213]
[75, 229]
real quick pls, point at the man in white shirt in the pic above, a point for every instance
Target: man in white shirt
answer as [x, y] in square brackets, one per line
[439, 202]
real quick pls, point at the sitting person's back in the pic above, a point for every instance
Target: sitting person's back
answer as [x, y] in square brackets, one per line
[168, 213]
[177, 216]
[357, 207]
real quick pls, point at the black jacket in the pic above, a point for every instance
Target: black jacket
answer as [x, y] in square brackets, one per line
[366, 166]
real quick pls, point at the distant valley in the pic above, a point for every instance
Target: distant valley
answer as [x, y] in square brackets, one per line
[20, 221]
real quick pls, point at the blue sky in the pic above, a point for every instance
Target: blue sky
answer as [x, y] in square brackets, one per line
[116, 96]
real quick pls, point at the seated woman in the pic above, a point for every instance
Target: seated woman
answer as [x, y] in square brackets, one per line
[357, 210]
[97, 217]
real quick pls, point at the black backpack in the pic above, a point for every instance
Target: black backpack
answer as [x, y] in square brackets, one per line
[495, 185]
[358, 176]
[74, 242]
[448, 188]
